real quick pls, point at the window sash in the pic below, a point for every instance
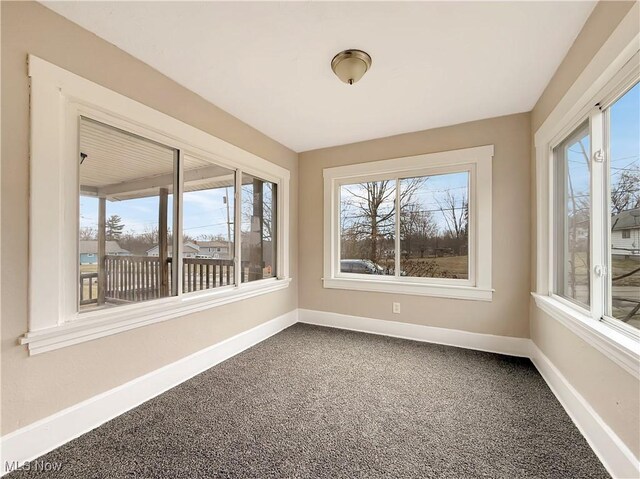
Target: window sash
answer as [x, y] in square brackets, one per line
[561, 248]
[470, 169]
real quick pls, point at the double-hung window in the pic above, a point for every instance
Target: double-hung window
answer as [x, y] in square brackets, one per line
[596, 226]
[137, 217]
[418, 225]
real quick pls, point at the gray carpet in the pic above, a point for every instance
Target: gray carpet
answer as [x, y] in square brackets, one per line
[318, 402]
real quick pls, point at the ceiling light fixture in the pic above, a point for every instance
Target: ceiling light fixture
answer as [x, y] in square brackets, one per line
[351, 65]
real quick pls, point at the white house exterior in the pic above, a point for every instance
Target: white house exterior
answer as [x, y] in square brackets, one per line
[214, 249]
[200, 249]
[189, 250]
[625, 233]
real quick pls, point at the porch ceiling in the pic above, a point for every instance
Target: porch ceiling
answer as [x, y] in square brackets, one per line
[120, 166]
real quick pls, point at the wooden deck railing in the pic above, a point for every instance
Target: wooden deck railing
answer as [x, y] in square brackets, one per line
[133, 278]
[204, 273]
[88, 288]
[138, 278]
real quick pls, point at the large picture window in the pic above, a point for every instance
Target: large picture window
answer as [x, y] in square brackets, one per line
[128, 219]
[137, 217]
[418, 225]
[433, 224]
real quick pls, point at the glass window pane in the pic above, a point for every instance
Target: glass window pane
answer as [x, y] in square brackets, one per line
[624, 175]
[258, 228]
[434, 226]
[208, 203]
[367, 227]
[573, 206]
[126, 217]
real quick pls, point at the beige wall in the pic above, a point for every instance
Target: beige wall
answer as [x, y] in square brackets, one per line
[508, 313]
[611, 391]
[35, 387]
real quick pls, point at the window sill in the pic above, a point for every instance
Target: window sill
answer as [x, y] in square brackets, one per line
[90, 326]
[620, 348]
[417, 289]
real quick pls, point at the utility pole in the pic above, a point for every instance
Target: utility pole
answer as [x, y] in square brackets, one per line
[226, 201]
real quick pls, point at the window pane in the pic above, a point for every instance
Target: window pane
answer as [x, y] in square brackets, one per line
[208, 203]
[573, 205]
[258, 228]
[126, 217]
[434, 226]
[367, 227]
[624, 154]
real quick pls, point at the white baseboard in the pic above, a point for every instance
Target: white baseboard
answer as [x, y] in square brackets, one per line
[450, 337]
[616, 457]
[51, 432]
[45, 435]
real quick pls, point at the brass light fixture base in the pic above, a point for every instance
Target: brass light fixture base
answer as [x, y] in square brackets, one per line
[351, 65]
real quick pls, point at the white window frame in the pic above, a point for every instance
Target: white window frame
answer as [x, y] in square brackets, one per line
[613, 69]
[477, 162]
[58, 98]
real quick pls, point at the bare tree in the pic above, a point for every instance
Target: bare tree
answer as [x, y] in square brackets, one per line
[455, 211]
[267, 208]
[88, 233]
[205, 237]
[373, 211]
[417, 228]
[625, 192]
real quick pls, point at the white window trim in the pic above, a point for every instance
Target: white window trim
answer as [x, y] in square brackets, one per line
[605, 74]
[57, 98]
[477, 161]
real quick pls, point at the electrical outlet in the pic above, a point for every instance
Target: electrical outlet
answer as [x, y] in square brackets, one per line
[396, 308]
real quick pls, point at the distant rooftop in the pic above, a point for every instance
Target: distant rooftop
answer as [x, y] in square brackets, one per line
[91, 247]
[626, 220]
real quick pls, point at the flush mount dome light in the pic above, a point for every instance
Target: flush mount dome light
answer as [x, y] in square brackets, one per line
[351, 65]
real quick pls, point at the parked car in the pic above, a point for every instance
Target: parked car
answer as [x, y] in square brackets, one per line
[360, 266]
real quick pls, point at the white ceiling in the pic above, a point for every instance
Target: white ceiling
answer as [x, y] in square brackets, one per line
[268, 63]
